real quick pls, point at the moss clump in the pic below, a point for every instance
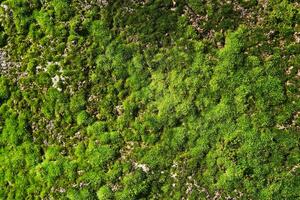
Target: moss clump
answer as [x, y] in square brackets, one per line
[149, 100]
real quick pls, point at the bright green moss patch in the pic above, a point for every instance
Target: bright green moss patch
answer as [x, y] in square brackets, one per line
[149, 99]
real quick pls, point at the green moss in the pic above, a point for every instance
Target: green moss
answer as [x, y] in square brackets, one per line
[82, 118]
[104, 193]
[149, 100]
[77, 102]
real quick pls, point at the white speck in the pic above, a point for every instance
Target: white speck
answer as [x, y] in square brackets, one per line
[173, 175]
[144, 167]
[55, 81]
[62, 190]
[5, 7]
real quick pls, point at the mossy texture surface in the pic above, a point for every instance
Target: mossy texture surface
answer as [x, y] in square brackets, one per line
[154, 99]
